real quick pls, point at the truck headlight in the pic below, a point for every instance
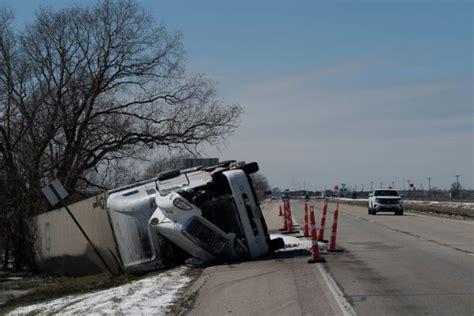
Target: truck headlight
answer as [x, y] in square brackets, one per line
[182, 204]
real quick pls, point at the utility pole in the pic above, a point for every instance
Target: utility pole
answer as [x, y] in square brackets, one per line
[371, 185]
[457, 182]
[380, 184]
[362, 188]
[408, 181]
[393, 185]
[429, 185]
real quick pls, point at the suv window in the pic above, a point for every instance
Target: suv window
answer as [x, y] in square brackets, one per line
[385, 193]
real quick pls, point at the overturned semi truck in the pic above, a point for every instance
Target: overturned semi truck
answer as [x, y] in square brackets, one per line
[212, 213]
[207, 213]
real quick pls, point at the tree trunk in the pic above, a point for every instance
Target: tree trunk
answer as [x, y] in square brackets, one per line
[6, 252]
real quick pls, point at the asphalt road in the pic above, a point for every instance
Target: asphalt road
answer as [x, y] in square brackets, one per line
[281, 284]
[391, 265]
[402, 265]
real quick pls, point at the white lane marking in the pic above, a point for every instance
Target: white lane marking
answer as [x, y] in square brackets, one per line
[336, 292]
[343, 303]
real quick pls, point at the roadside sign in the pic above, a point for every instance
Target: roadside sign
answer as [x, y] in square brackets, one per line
[54, 192]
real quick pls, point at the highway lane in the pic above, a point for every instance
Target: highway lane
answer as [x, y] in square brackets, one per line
[401, 265]
[281, 284]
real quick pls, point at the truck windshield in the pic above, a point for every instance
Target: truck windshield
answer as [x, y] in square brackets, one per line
[386, 193]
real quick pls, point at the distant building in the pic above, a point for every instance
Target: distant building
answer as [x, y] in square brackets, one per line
[195, 162]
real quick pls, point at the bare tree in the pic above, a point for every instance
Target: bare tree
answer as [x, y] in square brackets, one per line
[84, 88]
[456, 189]
[164, 163]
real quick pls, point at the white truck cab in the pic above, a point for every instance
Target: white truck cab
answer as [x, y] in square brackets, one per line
[385, 201]
[212, 212]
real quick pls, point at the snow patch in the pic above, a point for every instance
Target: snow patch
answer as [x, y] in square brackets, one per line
[152, 295]
[448, 204]
[462, 205]
[294, 243]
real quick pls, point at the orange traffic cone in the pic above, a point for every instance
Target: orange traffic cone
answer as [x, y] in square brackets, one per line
[285, 216]
[315, 255]
[288, 220]
[305, 227]
[332, 241]
[323, 222]
[312, 222]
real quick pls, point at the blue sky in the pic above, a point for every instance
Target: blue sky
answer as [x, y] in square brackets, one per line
[334, 91]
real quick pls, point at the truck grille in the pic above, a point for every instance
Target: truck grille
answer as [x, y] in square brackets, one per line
[205, 236]
[389, 201]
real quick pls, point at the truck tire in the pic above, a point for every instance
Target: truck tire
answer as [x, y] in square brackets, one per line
[276, 244]
[239, 250]
[168, 174]
[171, 255]
[250, 168]
[224, 163]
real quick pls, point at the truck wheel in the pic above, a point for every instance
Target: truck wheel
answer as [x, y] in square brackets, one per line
[167, 252]
[250, 168]
[166, 175]
[239, 250]
[276, 244]
[171, 255]
[225, 163]
[370, 211]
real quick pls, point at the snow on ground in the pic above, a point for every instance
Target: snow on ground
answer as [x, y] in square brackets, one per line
[448, 204]
[463, 205]
[149, 296]
[295, 243]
